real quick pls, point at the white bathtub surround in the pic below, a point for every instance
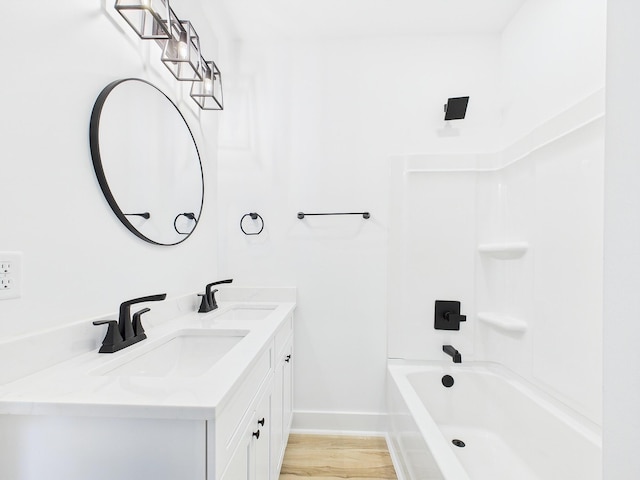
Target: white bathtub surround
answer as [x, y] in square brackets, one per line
[510, 428]
[505, 323]
[504, 250]
[125, 406]
[516, 236]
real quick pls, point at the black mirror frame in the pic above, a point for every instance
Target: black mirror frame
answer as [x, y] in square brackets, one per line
[94, 142]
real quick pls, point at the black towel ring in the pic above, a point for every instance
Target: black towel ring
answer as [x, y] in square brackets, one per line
[254, 216]
[189, 215]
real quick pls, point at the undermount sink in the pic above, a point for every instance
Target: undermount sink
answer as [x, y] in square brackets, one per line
[188, 353]
[253, 312]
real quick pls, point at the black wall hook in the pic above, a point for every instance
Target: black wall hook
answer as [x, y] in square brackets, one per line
[146, 215]
[254, 216]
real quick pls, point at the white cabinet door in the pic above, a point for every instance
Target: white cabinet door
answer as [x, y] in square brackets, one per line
[287, 391]
[251, 459]
[277, 437]
[238, 467]
[281, 408]
[261, 438]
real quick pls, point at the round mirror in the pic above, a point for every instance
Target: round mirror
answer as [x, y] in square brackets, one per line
[146, 161]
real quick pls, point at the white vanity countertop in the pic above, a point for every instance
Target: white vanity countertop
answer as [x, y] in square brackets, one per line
[76, 387]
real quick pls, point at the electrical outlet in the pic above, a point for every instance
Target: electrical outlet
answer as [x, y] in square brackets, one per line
[10, 275]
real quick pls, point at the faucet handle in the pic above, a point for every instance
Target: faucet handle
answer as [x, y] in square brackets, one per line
[124, 318]
[207, 289]
[137, 323]
[212, 299]
[447, 315]
[209, 298]
[454, 317]
[112, 338]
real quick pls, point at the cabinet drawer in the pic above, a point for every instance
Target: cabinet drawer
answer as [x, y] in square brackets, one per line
[283, 334]
[230, 420]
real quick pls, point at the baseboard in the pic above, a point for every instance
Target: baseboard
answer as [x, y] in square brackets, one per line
[339, 423]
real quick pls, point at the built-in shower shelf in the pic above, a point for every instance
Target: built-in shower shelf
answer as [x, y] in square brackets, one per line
[504, 250]
[503, 322]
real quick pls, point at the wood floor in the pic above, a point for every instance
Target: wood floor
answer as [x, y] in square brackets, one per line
[324, 457]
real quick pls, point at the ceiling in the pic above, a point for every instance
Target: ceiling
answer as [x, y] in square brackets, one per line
[342, 18]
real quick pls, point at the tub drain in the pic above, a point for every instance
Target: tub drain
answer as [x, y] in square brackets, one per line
[458, 443]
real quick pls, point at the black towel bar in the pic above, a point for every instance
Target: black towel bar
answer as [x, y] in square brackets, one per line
[301, 215]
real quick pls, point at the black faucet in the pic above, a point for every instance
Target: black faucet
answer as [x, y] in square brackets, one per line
[209, 297]
[453, 353]
[125, 331]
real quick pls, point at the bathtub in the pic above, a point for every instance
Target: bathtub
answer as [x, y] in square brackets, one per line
[510, 430]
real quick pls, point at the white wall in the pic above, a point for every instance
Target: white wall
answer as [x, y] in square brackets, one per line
[79, 260]
[622, 238]
[553, 54]
[314, 126]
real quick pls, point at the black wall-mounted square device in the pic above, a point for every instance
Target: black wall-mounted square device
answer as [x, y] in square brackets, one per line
[447, 315]
[456, 108]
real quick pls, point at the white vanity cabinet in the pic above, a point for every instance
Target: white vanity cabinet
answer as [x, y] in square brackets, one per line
[53, 447]
[230, 423]
[263, 431]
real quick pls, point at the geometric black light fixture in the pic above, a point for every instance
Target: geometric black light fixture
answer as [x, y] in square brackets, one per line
[208, 92]
[181, 54]
[456, 108]
[148, 18]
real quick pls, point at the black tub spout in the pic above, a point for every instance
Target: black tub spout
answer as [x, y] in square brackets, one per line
[453, 353]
